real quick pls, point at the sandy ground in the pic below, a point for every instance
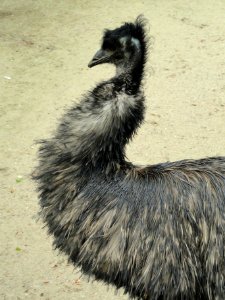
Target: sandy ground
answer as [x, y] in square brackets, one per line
[44, 50]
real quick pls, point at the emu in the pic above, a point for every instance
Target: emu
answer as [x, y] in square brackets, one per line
[157, 230]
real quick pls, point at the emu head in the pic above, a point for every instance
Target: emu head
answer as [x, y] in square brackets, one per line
[123, 46]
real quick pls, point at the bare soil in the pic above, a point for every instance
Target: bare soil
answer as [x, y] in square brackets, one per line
[45, 47]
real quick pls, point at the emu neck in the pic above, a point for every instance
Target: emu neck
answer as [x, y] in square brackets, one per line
[131, 73]
[95, 132]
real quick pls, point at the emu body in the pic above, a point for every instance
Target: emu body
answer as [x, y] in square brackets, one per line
[157, 231]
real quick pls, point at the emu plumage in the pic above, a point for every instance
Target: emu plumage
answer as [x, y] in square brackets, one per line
[157, 231]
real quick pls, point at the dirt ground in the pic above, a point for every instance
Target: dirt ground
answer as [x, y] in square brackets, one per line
[45, 47]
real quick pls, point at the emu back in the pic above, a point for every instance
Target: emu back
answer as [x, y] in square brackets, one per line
[157, 230]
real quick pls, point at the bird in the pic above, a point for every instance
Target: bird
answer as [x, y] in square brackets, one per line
[157, 231]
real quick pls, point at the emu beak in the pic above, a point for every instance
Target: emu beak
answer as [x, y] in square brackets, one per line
[100, 57]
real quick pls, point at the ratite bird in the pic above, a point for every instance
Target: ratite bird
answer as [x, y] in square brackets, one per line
[157, 231]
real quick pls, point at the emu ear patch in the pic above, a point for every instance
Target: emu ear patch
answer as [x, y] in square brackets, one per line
[136, 43]
[127, 41]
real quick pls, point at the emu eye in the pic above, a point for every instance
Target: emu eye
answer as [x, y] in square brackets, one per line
[109, 45]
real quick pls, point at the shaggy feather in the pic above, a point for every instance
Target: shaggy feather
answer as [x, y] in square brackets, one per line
[157, 231]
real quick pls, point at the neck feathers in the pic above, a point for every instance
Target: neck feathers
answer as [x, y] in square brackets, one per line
[95, 132]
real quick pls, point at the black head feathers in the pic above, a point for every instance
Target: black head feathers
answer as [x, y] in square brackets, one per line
[131, 32]
[124, 47]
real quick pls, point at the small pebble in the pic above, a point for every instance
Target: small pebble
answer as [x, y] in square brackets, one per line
[19, 178]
